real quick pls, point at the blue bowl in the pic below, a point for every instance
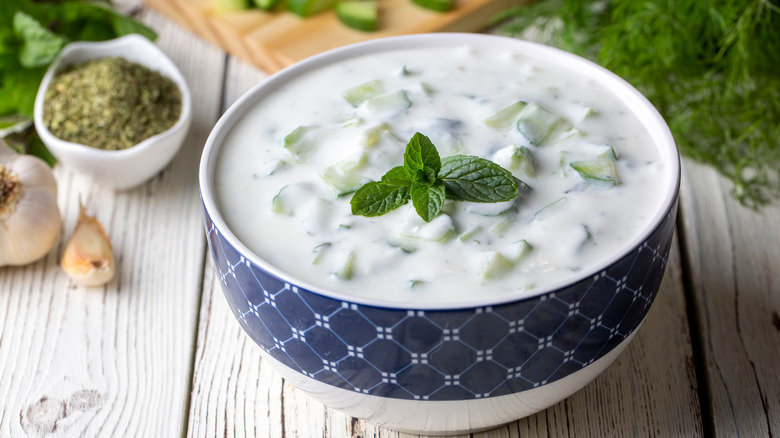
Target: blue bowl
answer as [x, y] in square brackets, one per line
[446, 368]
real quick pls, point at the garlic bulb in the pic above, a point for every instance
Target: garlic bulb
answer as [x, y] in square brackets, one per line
[29, 216]
[88, 258]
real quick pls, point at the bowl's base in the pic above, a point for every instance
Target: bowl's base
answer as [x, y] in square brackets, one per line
[448, 417]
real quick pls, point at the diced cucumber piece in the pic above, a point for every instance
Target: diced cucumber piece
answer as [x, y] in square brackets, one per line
[421, 88]
[358, 14]
[413, 231]
[229, 5]
[598, 151]
[469, 234]
[550, 207]
[491, 208]
[587, 236]
[538, 124]
[415, 283]
[518, 251]
[266, 5]
[389, 104]
[271, 167]
[403, 71]
[504, 225]
[515, 159]
[352, 121]
[583, 112]
[600, 170]
[434, 5]
[298, 144]
[291, 197]
[344, 265]
[359, 94]
[318, 251]
[495, 265]
[342, 182]
[505, 118]
[319, 217]
[352, 163]
[305, 8]
[371, 136]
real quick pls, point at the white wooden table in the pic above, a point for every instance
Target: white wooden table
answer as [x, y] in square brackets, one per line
[156, 353]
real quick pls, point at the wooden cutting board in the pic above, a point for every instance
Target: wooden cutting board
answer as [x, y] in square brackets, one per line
[274, 40]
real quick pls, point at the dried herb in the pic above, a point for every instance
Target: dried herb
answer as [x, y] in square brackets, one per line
[710, 67]
[110, 103]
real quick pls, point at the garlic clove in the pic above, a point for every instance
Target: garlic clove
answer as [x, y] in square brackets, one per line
[29, 216]
[88, 258]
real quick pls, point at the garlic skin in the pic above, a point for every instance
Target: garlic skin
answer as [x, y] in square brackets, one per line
[29, 217]
[88, 258]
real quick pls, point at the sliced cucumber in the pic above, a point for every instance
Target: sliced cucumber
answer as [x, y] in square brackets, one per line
[389, 104]
[305, 8]
[555, 205]
[318, 219]
[538, 124]
[229, 5]
[518, 251]
[358, 14]
[342, 182]
[266, 5]
[515, 159]
[298, 144]
[505, 118]
[344, 266]
[413, 231]
[434, 5]
[359, 94]
[495, 265]
[598, 151]
[491, 208]
[371, 136]
[318, 252]
[600, 170]
[584, 111]
[291, 197]
[469, 234]
[504, 225]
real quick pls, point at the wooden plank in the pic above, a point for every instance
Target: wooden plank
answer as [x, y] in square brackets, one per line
[273, 40]
[116, 360]
[734, 255]
[649, 391]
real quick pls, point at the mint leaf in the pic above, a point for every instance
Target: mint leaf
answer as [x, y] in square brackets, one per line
[397, 176]
[377, 198]
[421, 159]
[39, 45]
[469, 178]
[428, 199]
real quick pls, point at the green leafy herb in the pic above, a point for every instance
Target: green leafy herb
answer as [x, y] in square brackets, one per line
[32, 34]
[428, 180]
[711, 68]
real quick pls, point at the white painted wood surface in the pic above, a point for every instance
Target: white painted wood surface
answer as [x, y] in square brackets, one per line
[157, 352]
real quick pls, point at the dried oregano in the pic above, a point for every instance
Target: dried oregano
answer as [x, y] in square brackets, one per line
[110, 103]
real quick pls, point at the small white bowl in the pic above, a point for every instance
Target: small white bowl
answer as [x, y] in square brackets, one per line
[126, 168]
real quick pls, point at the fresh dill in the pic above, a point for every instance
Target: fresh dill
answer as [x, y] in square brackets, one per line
[712, 68]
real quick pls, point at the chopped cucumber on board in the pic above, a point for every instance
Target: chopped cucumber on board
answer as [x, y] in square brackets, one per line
[505, 118]
[434, 5]
[358, 14]
[360, 93]
[538, 124]
[599, 170]
[305, 8]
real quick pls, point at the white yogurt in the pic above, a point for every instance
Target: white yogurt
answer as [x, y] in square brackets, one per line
[471, 250]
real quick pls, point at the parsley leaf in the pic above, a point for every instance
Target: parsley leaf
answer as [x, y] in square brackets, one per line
[428, 180]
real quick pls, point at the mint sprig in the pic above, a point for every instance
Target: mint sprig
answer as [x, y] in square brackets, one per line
[428, 180]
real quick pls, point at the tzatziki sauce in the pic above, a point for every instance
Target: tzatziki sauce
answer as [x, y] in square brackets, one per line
[591, 177]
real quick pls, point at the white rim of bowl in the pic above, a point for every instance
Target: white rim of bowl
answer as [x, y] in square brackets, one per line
[160, 63]
[642, 109]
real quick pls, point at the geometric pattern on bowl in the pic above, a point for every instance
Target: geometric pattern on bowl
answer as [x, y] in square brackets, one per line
[460, 354]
